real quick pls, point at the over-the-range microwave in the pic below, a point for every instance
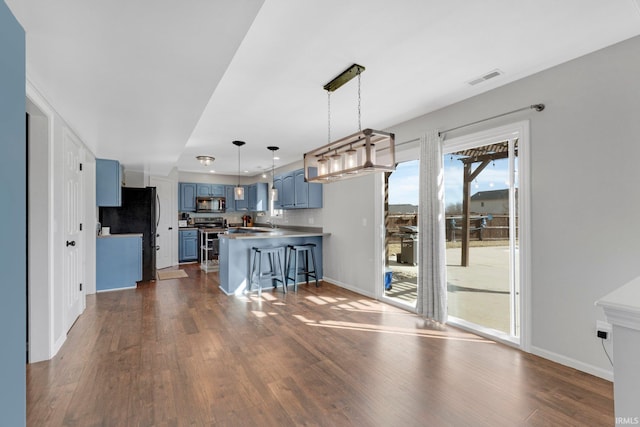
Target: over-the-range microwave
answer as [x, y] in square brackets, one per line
[210, 204]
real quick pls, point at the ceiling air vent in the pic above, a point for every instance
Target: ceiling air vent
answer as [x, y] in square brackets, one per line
[484, 78]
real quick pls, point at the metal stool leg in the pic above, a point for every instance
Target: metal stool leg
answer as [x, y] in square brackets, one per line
[313, 260]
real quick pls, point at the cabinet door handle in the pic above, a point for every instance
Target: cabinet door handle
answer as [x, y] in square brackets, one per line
[170, 228]
[71, 243]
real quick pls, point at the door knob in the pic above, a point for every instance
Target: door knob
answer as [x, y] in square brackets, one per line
[71, 243]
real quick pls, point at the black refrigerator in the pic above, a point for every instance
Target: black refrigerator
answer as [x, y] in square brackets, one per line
[137, 214]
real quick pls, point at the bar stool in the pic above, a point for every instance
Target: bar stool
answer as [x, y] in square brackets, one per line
[276, 258]
[296, 251]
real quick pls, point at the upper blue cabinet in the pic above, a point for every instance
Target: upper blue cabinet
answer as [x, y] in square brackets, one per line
[259, 196]
[108, 183]
[205, 190]
[295, 193]
[187, 197]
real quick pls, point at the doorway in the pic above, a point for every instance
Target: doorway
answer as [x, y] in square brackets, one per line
[165, 227]
[484, 207]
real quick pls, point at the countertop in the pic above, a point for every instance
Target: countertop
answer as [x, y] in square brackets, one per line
[121, 235]
[269, 233]
[622, 306]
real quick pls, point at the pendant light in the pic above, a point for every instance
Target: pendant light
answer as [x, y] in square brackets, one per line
[238, 192]
[365, 151]
[274, 190]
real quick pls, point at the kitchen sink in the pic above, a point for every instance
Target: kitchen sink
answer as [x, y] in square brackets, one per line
[247, 230]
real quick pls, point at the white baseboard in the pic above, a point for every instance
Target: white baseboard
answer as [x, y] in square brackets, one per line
[116, 289]
[573, 363]
[57, 345]
[348, 287]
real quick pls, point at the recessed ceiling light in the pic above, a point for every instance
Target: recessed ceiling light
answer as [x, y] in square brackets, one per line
[276, 158]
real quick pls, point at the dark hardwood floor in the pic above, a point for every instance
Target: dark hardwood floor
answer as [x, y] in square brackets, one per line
[181, 353]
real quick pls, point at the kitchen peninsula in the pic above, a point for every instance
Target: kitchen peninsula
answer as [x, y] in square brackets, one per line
[235, 251]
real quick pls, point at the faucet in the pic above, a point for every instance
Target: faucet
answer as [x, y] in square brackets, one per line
[271, 224]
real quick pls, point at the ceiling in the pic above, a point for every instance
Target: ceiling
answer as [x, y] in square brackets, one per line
[154, 84]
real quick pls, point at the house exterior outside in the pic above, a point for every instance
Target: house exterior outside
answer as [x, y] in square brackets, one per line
[495, 202]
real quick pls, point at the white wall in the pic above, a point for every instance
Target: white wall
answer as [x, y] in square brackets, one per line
[349, 254]
[584, 184]
[40, 284]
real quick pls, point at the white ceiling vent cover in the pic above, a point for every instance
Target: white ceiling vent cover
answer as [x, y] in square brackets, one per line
[487, 76]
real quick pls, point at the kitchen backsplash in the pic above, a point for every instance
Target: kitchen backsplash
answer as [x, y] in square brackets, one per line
[297, 217]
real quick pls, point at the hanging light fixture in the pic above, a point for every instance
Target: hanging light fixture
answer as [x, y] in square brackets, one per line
[365, 151]
[238, 192]
[274, 190]
[205, 160]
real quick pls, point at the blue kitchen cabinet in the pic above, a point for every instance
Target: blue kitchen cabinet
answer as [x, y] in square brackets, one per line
[288, 191]
[228, 195]
[259, 197]
[307, 194]
[203, 190]
[187, 197]
[295, 193]
[210, 190]
[118, 261]
[188, 245]
[108, 183]
[217, 190]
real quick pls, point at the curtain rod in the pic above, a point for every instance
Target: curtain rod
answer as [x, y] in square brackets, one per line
[537, 107]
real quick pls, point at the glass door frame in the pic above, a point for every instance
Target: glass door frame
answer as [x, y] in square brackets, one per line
[520, 306]
[406, 151]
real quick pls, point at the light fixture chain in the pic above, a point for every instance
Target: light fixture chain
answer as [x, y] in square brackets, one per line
[359, 109]
[329, 116]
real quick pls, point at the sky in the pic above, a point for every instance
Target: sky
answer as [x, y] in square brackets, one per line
[403, 183]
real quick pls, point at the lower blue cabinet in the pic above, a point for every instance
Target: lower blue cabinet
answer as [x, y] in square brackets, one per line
[188, 246]
[118, 261]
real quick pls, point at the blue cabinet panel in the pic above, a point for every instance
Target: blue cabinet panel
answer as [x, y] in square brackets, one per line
[288, 191]
[301, 189]
[228, 194]
[203, 190]
[188, 246]
[118, 262]
[258, 196]
[217, 190]
[108, 183]
[210, 190]
[13, 226]
[187, 197]
[295, 193]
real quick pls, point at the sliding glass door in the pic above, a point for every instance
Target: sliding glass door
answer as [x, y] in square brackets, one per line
[482, 233]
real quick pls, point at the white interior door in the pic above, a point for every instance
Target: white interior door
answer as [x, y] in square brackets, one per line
[164, 221]
[73, 263]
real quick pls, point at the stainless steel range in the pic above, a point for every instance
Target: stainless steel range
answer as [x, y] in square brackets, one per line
[209, 222]
[209, 228]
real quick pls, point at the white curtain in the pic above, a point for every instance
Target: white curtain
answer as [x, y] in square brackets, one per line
[432, 272]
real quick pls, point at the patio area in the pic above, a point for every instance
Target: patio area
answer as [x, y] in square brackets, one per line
[478, 293]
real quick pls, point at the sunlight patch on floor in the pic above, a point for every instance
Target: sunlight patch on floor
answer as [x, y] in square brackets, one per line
[364, 327]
